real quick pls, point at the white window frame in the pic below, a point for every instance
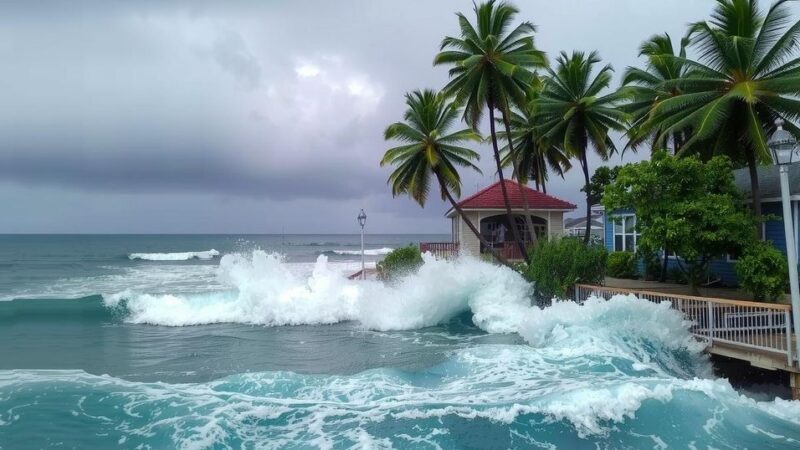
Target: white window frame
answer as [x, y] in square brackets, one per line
[621, 218]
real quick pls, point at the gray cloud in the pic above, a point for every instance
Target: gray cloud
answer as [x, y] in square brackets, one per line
[233, 56]
[275, 105]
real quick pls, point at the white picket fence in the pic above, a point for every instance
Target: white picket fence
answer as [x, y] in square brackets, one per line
[759, 326]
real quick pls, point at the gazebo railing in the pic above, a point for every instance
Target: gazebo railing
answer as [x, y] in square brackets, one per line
[443, 250]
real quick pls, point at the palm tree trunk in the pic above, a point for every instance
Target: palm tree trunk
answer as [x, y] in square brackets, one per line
[542, 172]
[511, 222]
[585, 167]
[525, 206]
[755, 190]
[677, 142]
[469, 223]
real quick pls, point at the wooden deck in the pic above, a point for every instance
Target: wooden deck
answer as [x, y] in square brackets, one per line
[764, 359]
[759, 333]
[368, 274]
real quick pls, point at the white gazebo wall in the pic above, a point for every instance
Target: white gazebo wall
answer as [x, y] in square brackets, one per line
[469, 244]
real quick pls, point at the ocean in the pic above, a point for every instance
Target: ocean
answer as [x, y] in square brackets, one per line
[195, 342]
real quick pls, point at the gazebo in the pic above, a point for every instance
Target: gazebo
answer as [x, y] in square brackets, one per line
[486, 209]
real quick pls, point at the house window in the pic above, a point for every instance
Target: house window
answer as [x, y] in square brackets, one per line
[625, 235]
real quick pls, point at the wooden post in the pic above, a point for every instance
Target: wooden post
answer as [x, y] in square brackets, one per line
[794, 383]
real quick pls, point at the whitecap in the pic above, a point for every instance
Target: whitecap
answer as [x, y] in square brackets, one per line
[178, 256]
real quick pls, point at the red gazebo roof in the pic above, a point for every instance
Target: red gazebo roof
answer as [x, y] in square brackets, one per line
[491, 197]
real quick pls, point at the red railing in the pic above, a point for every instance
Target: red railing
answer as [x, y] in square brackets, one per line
[510, 250]
[440, 249]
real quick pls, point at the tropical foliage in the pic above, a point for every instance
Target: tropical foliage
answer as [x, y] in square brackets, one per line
[577, 114]
[646, 88]
[690, 207]
[715, 93]
[491, 65]
[622, 265]
[430, 150]
[400, 262]
[762, 270]
[601, 178]
[530, 155]
[746, 76]
[556, 265]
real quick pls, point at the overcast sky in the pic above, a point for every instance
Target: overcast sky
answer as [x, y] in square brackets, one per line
[245, 117]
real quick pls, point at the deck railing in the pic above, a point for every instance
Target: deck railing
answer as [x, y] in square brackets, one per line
[758, 326]
[443, 250]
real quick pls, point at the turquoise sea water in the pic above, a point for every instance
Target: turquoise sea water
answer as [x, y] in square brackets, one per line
[242, 348]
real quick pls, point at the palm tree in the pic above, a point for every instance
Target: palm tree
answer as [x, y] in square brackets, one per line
[575, 114]
[533, 157]
[747, 75]
[491, 63]
[430, 149]
[644, 88]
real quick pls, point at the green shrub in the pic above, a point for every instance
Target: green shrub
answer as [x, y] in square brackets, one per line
[763, 271]
[676, 275]
[622, 265]
[556, 265]
[399, 262]
[653, 264]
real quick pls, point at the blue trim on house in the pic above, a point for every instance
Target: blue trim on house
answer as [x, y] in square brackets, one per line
[722, 268]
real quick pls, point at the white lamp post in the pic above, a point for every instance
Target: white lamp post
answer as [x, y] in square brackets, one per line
[784, 147]
[362, 220]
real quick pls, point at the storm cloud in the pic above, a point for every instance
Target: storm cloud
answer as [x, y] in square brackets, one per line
[251, 109]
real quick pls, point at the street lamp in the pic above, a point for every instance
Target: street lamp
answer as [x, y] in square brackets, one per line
[784, 147]
[362, 220]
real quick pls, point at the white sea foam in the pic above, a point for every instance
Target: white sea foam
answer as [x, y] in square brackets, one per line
[530, 391]
[262, 290]
[179, 256]
[367, 252]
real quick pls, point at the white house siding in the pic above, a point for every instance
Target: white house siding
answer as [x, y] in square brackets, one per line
[556, 223]
[468, 242]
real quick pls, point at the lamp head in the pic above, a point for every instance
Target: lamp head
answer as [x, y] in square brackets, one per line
[362, 218]
[782, 145]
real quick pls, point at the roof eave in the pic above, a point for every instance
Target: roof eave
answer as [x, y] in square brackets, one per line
[451, 212]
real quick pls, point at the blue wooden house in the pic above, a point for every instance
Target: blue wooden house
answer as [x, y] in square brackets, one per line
[620, 226]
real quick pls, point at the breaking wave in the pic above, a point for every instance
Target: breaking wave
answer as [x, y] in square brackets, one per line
[179, 256]
[261, 289]
[622, 373]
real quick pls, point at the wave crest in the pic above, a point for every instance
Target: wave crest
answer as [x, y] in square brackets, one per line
[262, 290]
[178, 256]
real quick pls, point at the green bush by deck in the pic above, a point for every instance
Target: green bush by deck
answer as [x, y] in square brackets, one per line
[622, 265]
[763, 271]
[400, 262]
[556, 265]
